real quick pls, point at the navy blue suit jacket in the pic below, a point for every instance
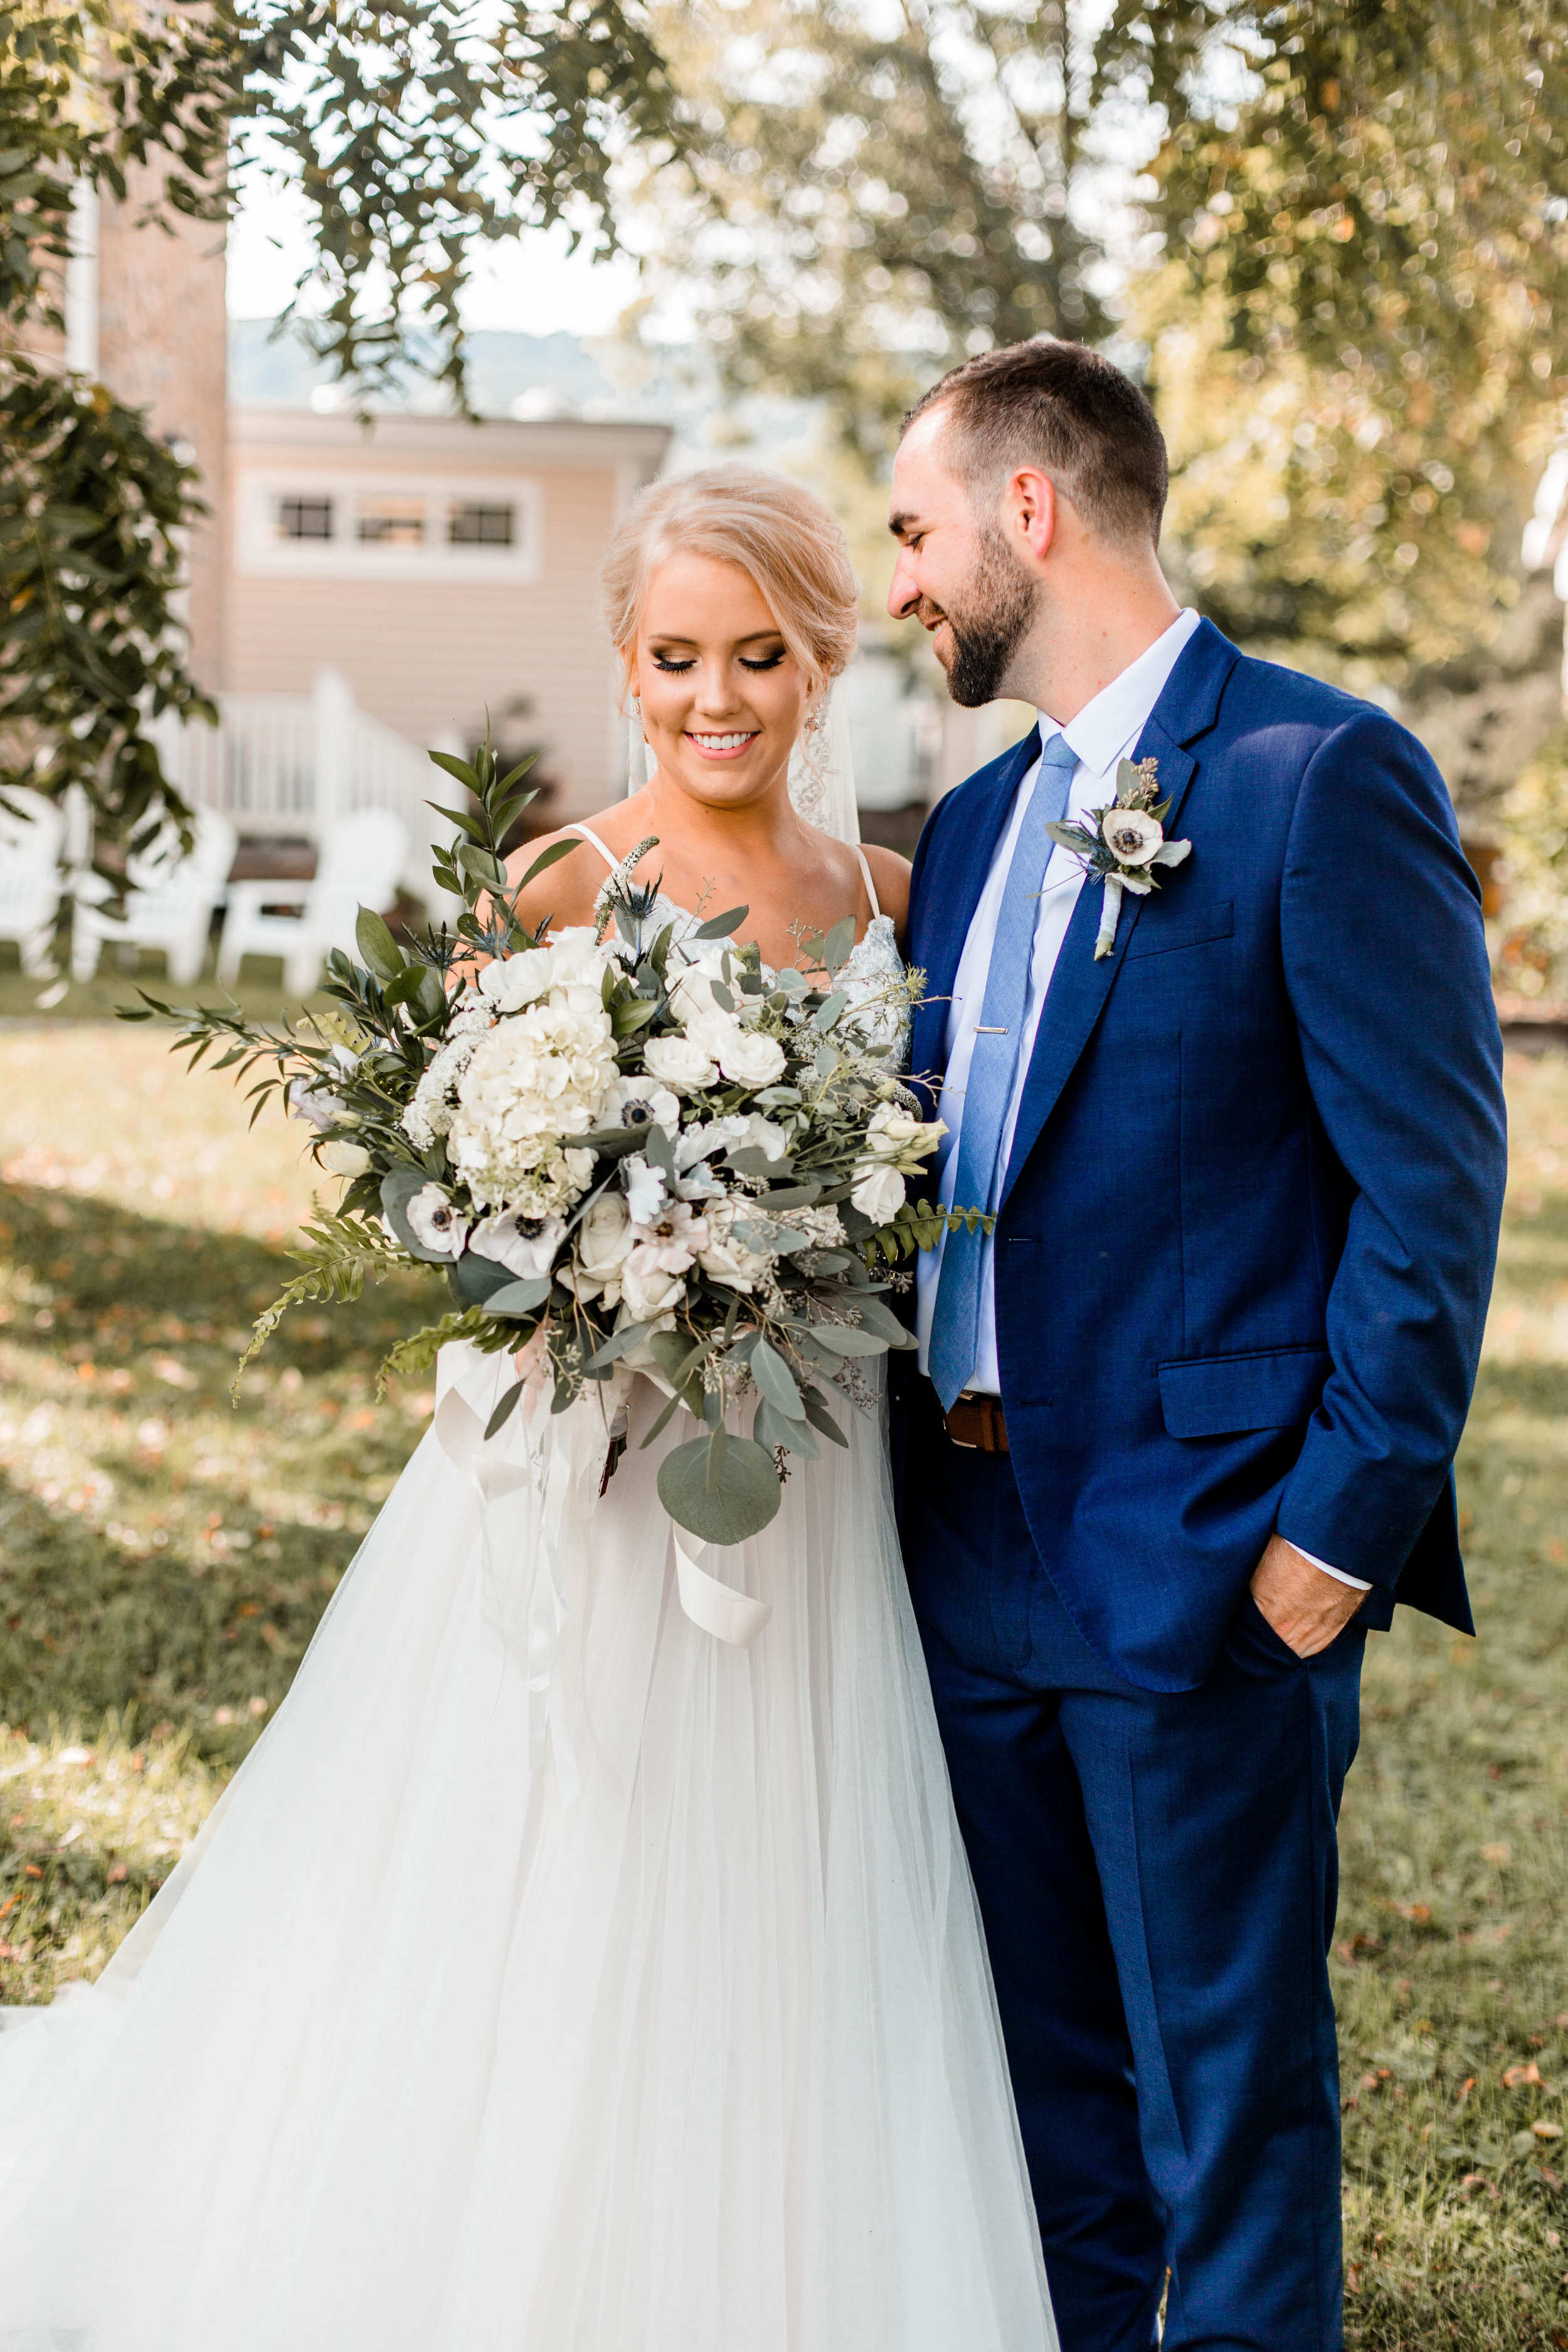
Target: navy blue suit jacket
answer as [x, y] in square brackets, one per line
[1249, 1226]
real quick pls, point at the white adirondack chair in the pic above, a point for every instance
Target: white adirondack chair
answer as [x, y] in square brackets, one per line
[361, 858]
[30, 844]
[169, 903]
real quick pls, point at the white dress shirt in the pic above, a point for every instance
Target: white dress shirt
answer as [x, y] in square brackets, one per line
[1105, 732]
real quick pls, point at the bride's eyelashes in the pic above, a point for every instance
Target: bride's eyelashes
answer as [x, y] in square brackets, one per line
[676, 667]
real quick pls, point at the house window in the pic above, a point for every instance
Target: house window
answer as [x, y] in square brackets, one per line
[472, 525]
[304, 518]
[455, 524]
[391, 522]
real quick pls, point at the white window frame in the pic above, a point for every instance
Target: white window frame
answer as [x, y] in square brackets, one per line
[345, 556]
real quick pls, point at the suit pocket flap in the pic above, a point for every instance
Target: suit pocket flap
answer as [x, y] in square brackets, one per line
[1163, 924]
[1212, 1396]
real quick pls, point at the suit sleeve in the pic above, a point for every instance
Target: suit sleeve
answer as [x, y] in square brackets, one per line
[1386, 966]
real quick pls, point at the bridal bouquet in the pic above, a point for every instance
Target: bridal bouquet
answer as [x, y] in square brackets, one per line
[623, 1147]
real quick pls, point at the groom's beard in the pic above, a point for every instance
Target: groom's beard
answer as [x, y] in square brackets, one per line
[989, 621]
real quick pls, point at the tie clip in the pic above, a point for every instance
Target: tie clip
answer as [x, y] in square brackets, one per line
[981, 1032]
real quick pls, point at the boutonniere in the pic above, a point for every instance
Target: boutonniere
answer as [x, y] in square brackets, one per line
[1126, 843]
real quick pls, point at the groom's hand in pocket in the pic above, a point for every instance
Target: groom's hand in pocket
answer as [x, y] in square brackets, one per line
[1306, 1608]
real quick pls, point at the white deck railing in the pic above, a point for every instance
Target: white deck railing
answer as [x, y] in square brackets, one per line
[288, 763]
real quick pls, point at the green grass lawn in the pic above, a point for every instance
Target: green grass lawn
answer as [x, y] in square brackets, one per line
[164, 1556]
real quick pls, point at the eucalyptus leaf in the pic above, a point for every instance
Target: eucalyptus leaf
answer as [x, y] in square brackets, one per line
[876, 1317]
[776, 1381]
[477, 1280]
[518, 1297]
[741, 1503]
[843, 1340]
[719, 927]
[617, 1343]
[816, 1412]
[770, 1428]
[836, 946]
[504, 1411]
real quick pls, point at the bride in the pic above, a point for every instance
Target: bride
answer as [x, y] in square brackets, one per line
[423, 2049]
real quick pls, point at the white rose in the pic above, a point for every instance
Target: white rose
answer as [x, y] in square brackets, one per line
[340, 1157]
[726, 1258]
[750, 1059]
[526, 1246]
[680, 1062]
[578, 970]
[604, 1242]
[641, 1357]
[437, 1222]
[691, 993]
[1132, 838]
[647, 1292]
[892, 1132]
[515, 981]
[879, 1191]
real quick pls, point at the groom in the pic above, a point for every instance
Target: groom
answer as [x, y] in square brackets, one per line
[1184, 1425]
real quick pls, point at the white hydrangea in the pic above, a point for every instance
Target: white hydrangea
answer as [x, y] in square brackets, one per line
[429, 1113]
[532, 1083]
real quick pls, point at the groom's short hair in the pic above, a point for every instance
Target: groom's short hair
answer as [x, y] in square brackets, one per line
[1065, 409]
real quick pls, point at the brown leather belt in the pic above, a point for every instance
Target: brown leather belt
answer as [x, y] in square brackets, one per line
[976, 1423]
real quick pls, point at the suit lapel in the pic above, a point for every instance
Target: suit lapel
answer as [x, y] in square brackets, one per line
[965, 863]
[1080, 985]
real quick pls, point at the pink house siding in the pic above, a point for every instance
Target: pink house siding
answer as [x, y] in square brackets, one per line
[427, 652]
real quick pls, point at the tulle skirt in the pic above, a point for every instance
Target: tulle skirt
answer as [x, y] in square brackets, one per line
[421, 2052]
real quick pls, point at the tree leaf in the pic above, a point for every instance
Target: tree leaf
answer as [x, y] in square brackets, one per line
[740, 1504]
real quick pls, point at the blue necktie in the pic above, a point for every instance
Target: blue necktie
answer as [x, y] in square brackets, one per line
[998, 1040]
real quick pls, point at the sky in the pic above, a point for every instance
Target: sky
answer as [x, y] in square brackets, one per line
[531, 287]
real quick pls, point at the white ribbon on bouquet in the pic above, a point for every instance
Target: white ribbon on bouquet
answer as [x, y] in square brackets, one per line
[536, 1502]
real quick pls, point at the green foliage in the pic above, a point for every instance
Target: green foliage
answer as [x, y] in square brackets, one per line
[417, 131]
[1352, 336]
[876, 194]
[91, 509]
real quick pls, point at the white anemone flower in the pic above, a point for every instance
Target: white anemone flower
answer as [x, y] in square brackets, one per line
[1132, 837]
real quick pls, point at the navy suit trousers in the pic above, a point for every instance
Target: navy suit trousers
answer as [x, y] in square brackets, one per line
[1158, 1875]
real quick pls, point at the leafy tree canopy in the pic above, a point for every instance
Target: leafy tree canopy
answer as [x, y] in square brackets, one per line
[871, 193]
[417, 132]
[1357, 332]
[1358, 211]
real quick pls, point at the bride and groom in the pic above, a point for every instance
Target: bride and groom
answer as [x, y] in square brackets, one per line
[943, 1979]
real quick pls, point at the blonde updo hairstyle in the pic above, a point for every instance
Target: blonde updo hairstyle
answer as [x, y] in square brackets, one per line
[781, 535]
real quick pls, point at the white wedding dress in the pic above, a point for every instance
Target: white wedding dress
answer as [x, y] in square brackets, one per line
[553, 1977]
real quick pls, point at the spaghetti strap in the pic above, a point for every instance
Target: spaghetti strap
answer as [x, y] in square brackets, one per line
[586, 833]
[866, 877]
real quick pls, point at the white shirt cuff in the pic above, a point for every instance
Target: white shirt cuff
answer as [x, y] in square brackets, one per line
[1356, 1584]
